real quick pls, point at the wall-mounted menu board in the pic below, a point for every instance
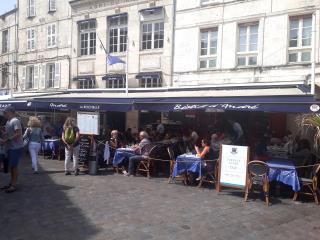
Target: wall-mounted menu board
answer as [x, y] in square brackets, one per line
[233, 166]
[88, 123]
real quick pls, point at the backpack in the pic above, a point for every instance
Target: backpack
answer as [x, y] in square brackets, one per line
[69, 135]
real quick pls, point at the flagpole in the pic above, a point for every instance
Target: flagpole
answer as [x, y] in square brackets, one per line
[127, 68]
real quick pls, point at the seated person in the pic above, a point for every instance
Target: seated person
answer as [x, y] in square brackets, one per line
[114, 142]
[302, 153]
[261, 149]
[207, 153]
[135, 160]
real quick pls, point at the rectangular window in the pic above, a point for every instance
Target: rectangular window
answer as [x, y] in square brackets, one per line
[31, 39]
[4, 76]
[118, 33]
[31, 8]
[150, 82]
[5, 41]
[152, 35]
[116, 83]
[86, 84]
[208, 2]
[208, 48]
[300, 39]
[50, 75]
[248, 44]
[51, 30]
[52, 5]
[87, 37]
[32, 77]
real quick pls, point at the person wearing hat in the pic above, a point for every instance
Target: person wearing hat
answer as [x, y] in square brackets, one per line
[14, 143]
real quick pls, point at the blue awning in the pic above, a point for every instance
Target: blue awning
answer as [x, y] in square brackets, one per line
[303, 104]
[84, 78]
[17, 104]
[111, 77]
[84, 104]
[149, 74]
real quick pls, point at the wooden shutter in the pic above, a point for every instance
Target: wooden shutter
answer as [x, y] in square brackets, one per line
[24, 76]
[57, 75]
[43, 76]
[36, 77]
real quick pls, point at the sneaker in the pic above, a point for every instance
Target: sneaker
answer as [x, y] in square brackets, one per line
[198, 178]
[67, 173]
[124, 172]
[127, 174]
[76, 173]
[35, 172]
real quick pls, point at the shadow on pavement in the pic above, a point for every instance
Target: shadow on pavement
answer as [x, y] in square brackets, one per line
[41, 209]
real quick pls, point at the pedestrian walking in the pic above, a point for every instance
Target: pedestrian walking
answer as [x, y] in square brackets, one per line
[71, 137]
[35, 138]
[14, 143]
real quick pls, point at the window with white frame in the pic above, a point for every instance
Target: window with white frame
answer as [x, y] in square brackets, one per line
[208, 48]
[116, 83]
[5, 41]
[31, 8]
[52, 5]
[248, 44]
[118, 33]
[51, 38]
[31, 75]
[87, 37]
[152, 28]
[152, 35]
[150, 82]
[4, 76]
[31, 39]
[87, 84]
[50, 75]
[209, 2]
[300, 39]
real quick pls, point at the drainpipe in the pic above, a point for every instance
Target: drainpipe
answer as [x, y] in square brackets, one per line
[174, 6]
[313, 55]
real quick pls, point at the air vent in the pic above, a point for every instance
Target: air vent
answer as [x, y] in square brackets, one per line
[42, 20]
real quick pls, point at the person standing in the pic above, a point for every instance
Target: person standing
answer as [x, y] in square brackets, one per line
[238, 132]
[36, 139]
[71, 137]
[14, 142]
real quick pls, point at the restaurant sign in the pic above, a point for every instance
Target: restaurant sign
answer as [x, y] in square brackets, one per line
[233, 166]
[224, 106]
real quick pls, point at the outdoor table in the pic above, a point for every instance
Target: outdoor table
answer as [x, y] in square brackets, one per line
[121, 154]
[283, 170]
[188, 163]
[53, 146]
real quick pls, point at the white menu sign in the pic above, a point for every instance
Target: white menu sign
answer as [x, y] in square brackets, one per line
[233, 166]
[88, 123]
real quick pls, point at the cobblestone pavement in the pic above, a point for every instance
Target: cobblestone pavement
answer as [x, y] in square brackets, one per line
[109, 207]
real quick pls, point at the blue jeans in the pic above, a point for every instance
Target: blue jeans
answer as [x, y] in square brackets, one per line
[14, 157]
[133, 162]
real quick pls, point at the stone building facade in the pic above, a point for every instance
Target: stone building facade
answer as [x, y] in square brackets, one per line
[8, 52]
[246, 43]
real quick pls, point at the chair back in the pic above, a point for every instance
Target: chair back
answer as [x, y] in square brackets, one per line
[258, 168]
[146, 149]
[316, 176]
[158, 151]
[171, 154]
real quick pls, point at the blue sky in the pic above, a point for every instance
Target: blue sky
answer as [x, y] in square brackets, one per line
[6, 5]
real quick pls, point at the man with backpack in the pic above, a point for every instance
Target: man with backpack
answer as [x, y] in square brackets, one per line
[71, 137]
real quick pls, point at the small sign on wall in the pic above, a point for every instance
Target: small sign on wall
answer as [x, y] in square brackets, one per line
[233, 166]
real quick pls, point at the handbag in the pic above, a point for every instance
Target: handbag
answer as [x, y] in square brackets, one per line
[26, 139]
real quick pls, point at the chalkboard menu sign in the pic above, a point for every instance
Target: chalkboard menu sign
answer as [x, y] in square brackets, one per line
[84, 152]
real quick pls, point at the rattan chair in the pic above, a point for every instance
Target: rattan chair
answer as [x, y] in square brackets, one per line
[258, 175]
[144, 164]
[172, 156]
[309, 186]
[211, 175]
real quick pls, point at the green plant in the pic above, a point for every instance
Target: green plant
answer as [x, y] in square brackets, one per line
[310, 121]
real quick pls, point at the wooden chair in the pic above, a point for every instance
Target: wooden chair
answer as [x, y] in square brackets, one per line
[257, 175]
[147, 153]
[212, 174]
[309, 186]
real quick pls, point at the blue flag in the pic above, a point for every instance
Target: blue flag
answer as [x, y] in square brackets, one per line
[114, 60]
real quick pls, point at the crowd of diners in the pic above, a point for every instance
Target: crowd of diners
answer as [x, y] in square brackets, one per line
[207, 145]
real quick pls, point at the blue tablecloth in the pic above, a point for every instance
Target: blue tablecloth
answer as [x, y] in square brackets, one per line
[121, 154]
[51, 145]
[283, 170]
[187, 162]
